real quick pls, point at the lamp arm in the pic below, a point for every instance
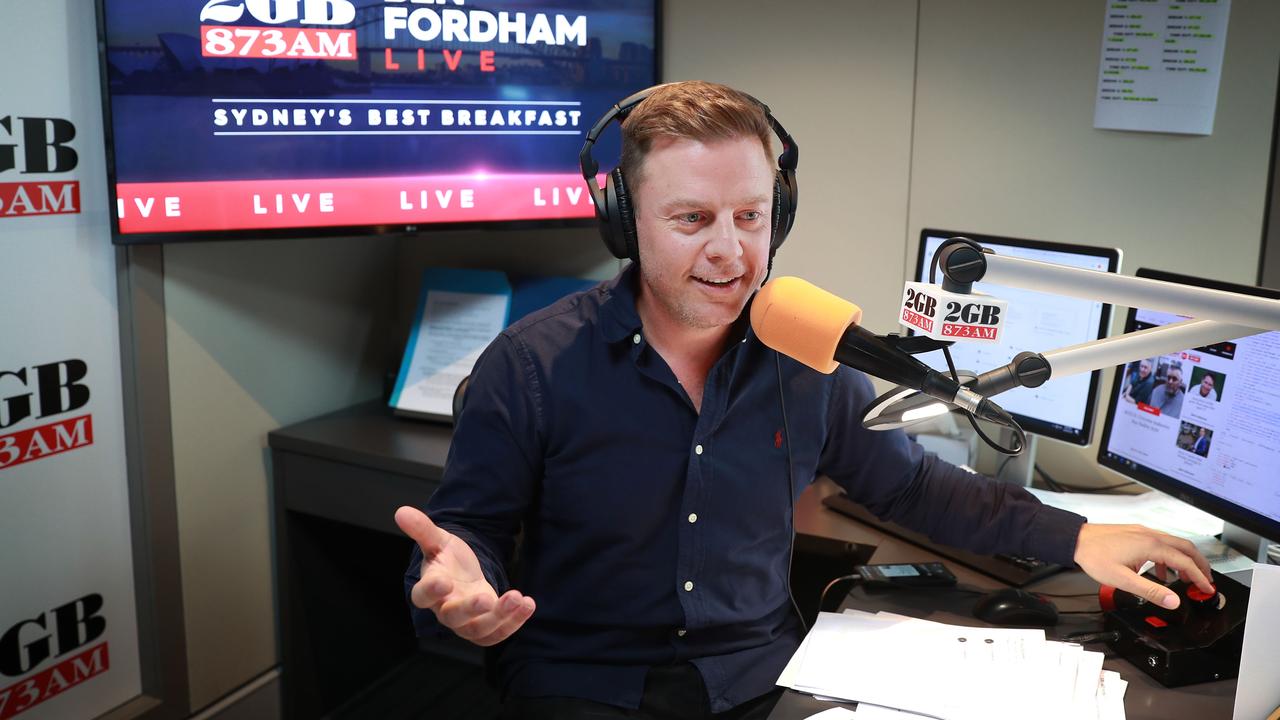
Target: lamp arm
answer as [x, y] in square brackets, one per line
[902, 407]
[1218, 316]
[1120, 349]
[1201, 303]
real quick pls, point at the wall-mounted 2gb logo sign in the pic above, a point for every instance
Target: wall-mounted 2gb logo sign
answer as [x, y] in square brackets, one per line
[62, 641]
[37, 146]
[244, 37]
[942, 315]
[53, 391]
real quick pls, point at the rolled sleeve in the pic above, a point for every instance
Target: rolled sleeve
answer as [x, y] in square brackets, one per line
[897, 481]
[492, 468]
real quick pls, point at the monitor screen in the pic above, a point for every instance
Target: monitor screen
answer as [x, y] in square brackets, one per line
[257, 118]
[1202, 424]
[1062, 408]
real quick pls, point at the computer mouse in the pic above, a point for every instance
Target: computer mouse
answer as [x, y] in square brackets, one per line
[1012, 606]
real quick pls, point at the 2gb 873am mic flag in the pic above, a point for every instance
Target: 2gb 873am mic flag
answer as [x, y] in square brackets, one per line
[68, 618]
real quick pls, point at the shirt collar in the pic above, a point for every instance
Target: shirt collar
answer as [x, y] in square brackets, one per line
[621, 319]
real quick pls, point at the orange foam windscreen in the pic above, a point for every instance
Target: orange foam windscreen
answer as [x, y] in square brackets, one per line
[802, 321]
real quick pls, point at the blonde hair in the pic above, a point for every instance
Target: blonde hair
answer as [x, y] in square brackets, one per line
[693, 110]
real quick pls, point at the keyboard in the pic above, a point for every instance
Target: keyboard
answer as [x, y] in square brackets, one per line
[1010, 569]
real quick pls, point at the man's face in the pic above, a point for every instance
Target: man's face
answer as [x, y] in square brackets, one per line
[1206, 385]
[702, 223]
[1144, 369]
[1173, 380]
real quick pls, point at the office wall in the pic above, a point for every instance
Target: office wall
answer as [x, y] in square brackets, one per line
[1004, 144]
[260, 335]
[838, 76]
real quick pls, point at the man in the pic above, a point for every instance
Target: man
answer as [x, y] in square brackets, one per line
[1202, 442]
[648, 448]
[1206, 386]
[1140, 383]
[1167, 398]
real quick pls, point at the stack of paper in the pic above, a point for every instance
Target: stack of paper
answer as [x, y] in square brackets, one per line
[950, 671]
[1153, 509]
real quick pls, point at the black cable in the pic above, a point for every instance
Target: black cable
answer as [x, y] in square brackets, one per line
[1020, 437]
[1090, 637]
[1003, 464]
[791, 493]
[1048, 481]
[967, 589]
[1072, 595]
[1066, 487]
[823, 597]
[1099, 611]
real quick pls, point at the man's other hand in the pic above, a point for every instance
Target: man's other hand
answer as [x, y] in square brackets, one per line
[1112, 554]
[455, 589]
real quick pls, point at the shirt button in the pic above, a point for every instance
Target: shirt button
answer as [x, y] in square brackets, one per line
[688, 586]
[697, 450]
[635, 339]
[681, 632]
[693, 517]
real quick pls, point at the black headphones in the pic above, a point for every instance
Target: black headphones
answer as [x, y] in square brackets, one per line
[613, 201]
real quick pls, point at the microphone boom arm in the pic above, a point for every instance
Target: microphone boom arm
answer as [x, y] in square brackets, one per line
[1218, 316]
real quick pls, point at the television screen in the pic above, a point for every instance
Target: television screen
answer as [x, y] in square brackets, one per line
[257, 118]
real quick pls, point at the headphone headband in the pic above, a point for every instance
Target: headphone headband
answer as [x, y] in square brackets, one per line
[613, 203]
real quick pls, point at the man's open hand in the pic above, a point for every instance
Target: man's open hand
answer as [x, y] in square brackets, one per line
[455, 589]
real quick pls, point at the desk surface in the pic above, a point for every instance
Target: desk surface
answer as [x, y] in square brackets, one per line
[1145, 698]
[370, 436]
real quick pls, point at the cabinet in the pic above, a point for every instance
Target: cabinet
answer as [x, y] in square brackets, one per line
[347, 646]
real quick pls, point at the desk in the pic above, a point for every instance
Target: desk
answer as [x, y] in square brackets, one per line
[1145, 698]
[344, 628]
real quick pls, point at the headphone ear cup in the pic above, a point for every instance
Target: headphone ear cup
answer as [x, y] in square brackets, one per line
[610, 227]
[783, 215]
[622, 218]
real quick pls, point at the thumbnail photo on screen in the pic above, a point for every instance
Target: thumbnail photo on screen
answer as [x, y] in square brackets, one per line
[1156, 385]
[1207, 384]
[1194, 438]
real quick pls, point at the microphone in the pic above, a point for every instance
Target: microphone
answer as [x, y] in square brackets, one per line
[821, 330]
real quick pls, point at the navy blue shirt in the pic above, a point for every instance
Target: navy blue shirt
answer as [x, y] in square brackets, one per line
[653, 533]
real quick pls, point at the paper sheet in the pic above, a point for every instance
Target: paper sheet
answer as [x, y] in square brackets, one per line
[459, 313]
[1257, 693]
[1160, 66]
[879, 660]
[1153, 509]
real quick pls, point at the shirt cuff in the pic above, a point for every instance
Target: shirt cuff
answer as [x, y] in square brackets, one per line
[1053, 535]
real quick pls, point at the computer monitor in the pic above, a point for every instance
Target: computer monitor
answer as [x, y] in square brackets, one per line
[1062, 408]
[1216, 443]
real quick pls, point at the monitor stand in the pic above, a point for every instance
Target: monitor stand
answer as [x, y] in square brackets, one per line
[1016, 469]
[1247, 543]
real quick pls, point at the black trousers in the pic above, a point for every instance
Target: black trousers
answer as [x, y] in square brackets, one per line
[671, 692]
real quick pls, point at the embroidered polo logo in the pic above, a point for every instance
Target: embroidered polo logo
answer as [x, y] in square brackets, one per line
[777, 439]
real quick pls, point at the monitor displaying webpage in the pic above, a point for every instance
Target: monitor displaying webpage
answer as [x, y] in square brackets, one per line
[1036, 322]
[1207, 417]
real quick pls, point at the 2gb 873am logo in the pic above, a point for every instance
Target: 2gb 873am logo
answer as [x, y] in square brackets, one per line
[37, 146]
[254, 38]
[40, 392]
[51, 637]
